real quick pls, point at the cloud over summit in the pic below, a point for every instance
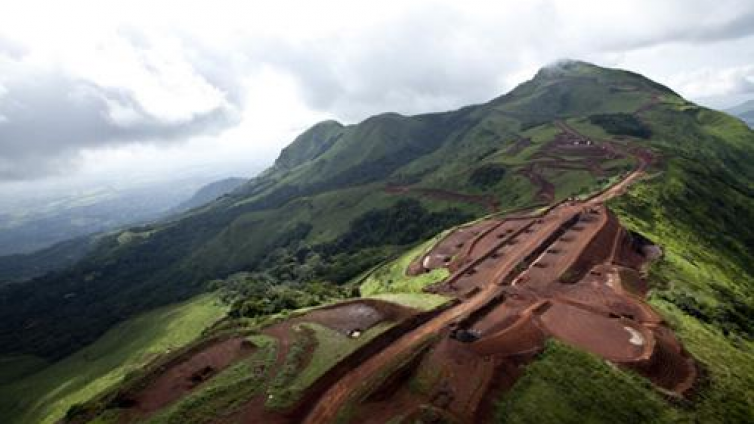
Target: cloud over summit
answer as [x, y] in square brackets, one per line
[107, 74]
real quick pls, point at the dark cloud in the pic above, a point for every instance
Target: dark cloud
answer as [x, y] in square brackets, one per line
[47, 119]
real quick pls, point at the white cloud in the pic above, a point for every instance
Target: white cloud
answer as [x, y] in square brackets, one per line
[709, 82]
[241, 77]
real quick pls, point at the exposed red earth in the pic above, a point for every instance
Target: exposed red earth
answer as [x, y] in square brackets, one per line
[186, 372]
[569, 272]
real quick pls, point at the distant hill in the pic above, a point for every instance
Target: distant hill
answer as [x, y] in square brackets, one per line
[745, 111]
[39, 223]
[61, 232]
[209, 193]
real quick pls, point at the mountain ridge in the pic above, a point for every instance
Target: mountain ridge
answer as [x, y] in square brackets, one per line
[390, 147]
[349, 209]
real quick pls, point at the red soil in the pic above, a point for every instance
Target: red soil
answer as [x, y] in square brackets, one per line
[545, 191]
[603, 336]
[344, 317]
[185, 375]
[442, 253]
[551, 276]
[570, 272]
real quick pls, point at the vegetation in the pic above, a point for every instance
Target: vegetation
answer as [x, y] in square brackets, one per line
[391, 277]
[407, 221]
[487, 175]
[621, 124]
[44, 397]
[253, 295]
[225, 392]
[331, 347]
[565, 385]
[320, 224]
[702, 285]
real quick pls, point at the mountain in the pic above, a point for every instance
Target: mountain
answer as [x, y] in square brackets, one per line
[77, 226]
[209, 193]
[21, 267]
[745, 111]
[34, 221]
[367, 209]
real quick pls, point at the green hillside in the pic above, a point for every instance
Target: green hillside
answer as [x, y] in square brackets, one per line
[347, 207]
[45, 396]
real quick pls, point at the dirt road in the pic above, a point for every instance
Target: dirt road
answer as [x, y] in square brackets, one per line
[332, 401]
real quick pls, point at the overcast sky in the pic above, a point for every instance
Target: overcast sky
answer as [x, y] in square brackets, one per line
[91, 90]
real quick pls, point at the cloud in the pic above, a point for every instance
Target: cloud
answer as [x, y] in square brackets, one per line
[48, 118]
[113, 74]
[127, 94]
[708, 82]
[441, 55]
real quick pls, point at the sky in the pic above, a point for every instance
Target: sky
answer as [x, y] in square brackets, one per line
[102, 91]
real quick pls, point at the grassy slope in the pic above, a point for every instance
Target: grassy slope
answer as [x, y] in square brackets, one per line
[391, 277]
[45, 396]
[566, 385]
[13, 368]
[690, 282]
[330, 347]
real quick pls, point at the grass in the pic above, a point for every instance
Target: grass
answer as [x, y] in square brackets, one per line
[392, 278]
[701, 286]
[45, 396]
[570, 183]
[226, 392]
[279, 393]
[332, 347]
[565, 385]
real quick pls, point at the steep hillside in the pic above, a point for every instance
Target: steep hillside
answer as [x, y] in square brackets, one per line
[22, 267]
[342, 200]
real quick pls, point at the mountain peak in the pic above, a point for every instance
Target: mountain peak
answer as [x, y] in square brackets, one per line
[310, 144]
[567, 67]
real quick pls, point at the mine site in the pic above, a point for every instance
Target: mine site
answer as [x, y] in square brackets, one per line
[390, 212]
[567, 272]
